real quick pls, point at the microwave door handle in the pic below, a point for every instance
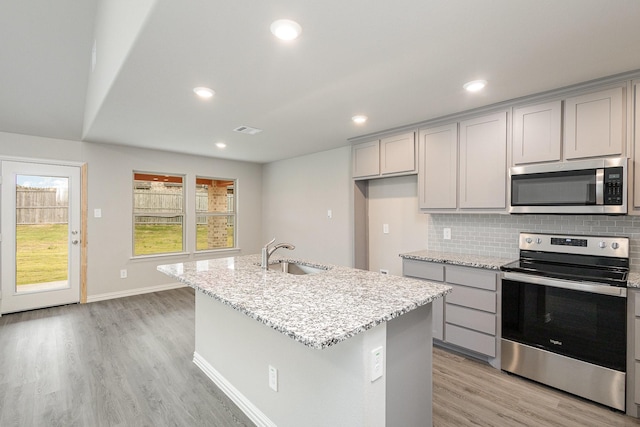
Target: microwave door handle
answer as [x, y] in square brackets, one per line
[599, 186]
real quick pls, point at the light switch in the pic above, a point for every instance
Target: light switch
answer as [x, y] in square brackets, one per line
[385, 228]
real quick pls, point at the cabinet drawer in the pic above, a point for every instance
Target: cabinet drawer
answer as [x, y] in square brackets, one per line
[474, 277]
[472, 298]
[471, 319]
[423, 269]
[472, 340]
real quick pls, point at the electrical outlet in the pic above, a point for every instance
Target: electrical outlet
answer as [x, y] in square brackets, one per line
[97, 213]
[123, 274]
[447, 234]
[377, 363]
[384, 271]
[273, 378]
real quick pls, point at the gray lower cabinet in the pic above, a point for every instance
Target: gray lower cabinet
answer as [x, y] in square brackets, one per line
[467, 318]
[633, 352]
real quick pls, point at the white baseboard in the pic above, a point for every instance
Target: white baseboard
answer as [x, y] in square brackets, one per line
[254, 414]
[132, 292]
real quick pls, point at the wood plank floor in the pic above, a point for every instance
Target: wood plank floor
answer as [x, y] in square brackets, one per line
[122, 362]
[471, 393]
[128, 362]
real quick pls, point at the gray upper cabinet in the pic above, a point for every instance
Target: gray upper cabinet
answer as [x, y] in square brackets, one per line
[594, 124]
[537, 133]
[438, 167]
[391, 156]
[366, 159]
[483, 162]
[398, 154]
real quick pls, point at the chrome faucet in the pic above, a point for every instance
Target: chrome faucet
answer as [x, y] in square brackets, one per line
[267, 251]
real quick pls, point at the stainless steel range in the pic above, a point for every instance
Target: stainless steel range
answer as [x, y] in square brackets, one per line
[564, 314]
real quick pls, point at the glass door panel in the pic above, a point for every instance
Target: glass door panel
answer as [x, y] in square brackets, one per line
[42, 230]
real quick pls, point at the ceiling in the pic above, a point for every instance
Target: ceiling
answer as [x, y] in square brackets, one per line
[397, 62]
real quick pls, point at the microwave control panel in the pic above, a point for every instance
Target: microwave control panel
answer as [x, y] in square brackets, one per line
[613, 187]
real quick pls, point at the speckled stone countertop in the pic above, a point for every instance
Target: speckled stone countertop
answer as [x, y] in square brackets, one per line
[317, 310]
[633, 281]
[491, 263]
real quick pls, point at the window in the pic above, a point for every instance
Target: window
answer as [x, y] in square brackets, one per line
[215, 214]
[158, 213]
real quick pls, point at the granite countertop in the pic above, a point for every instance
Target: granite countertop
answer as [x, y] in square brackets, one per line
[467, 260]
[480, 261]
[633, 281]
[317, 310]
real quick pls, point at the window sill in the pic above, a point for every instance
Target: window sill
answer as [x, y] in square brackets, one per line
[156, 256]
[210, 252]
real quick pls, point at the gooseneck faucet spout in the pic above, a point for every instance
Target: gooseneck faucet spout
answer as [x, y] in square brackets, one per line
[267, 251]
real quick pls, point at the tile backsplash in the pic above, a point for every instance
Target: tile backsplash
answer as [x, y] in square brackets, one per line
[497, 235]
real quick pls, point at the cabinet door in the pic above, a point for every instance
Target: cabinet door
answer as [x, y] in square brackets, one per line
[636, 145]
[594, 124]
[483, 162]
[366, 159]
[537, 133]
[398, 154]
[438, 167]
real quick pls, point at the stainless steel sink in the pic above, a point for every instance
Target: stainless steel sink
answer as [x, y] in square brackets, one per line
[295, 268]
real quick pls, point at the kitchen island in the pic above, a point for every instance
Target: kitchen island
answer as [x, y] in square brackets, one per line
[294, 350]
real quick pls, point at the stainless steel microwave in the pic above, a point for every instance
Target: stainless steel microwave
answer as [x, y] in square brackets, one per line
[579, 187]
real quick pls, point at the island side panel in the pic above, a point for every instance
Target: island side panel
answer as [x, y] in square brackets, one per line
[409, 369]
[315, 387]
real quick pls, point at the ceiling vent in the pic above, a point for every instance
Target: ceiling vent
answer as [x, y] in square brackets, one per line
[248, 130]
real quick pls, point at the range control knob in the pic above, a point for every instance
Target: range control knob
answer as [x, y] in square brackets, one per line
[602, 245]
[528, 240]
[615, 245]
[538, 240]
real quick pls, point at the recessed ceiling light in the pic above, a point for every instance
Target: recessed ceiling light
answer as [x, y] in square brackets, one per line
[359, 119]
[475, 85]
[203, 92]
[286, 29]
[221, 144]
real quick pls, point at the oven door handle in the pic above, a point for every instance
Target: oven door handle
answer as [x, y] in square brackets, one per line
[593, 288]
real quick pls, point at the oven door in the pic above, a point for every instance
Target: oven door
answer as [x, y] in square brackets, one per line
[563, 317]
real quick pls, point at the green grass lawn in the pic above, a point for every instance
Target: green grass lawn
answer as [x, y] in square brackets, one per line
[41, 250]
[41, 253]
[156, 239]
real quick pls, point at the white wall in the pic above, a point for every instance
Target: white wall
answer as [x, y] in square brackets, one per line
[109, 239]
[298, 192]
[33, 147]
[118, 23]
[394, 201]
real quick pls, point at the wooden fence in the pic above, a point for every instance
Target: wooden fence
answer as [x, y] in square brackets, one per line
[50, 206]
[169, 203]
[41, 206]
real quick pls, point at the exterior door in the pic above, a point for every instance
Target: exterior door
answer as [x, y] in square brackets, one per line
[40, 229]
